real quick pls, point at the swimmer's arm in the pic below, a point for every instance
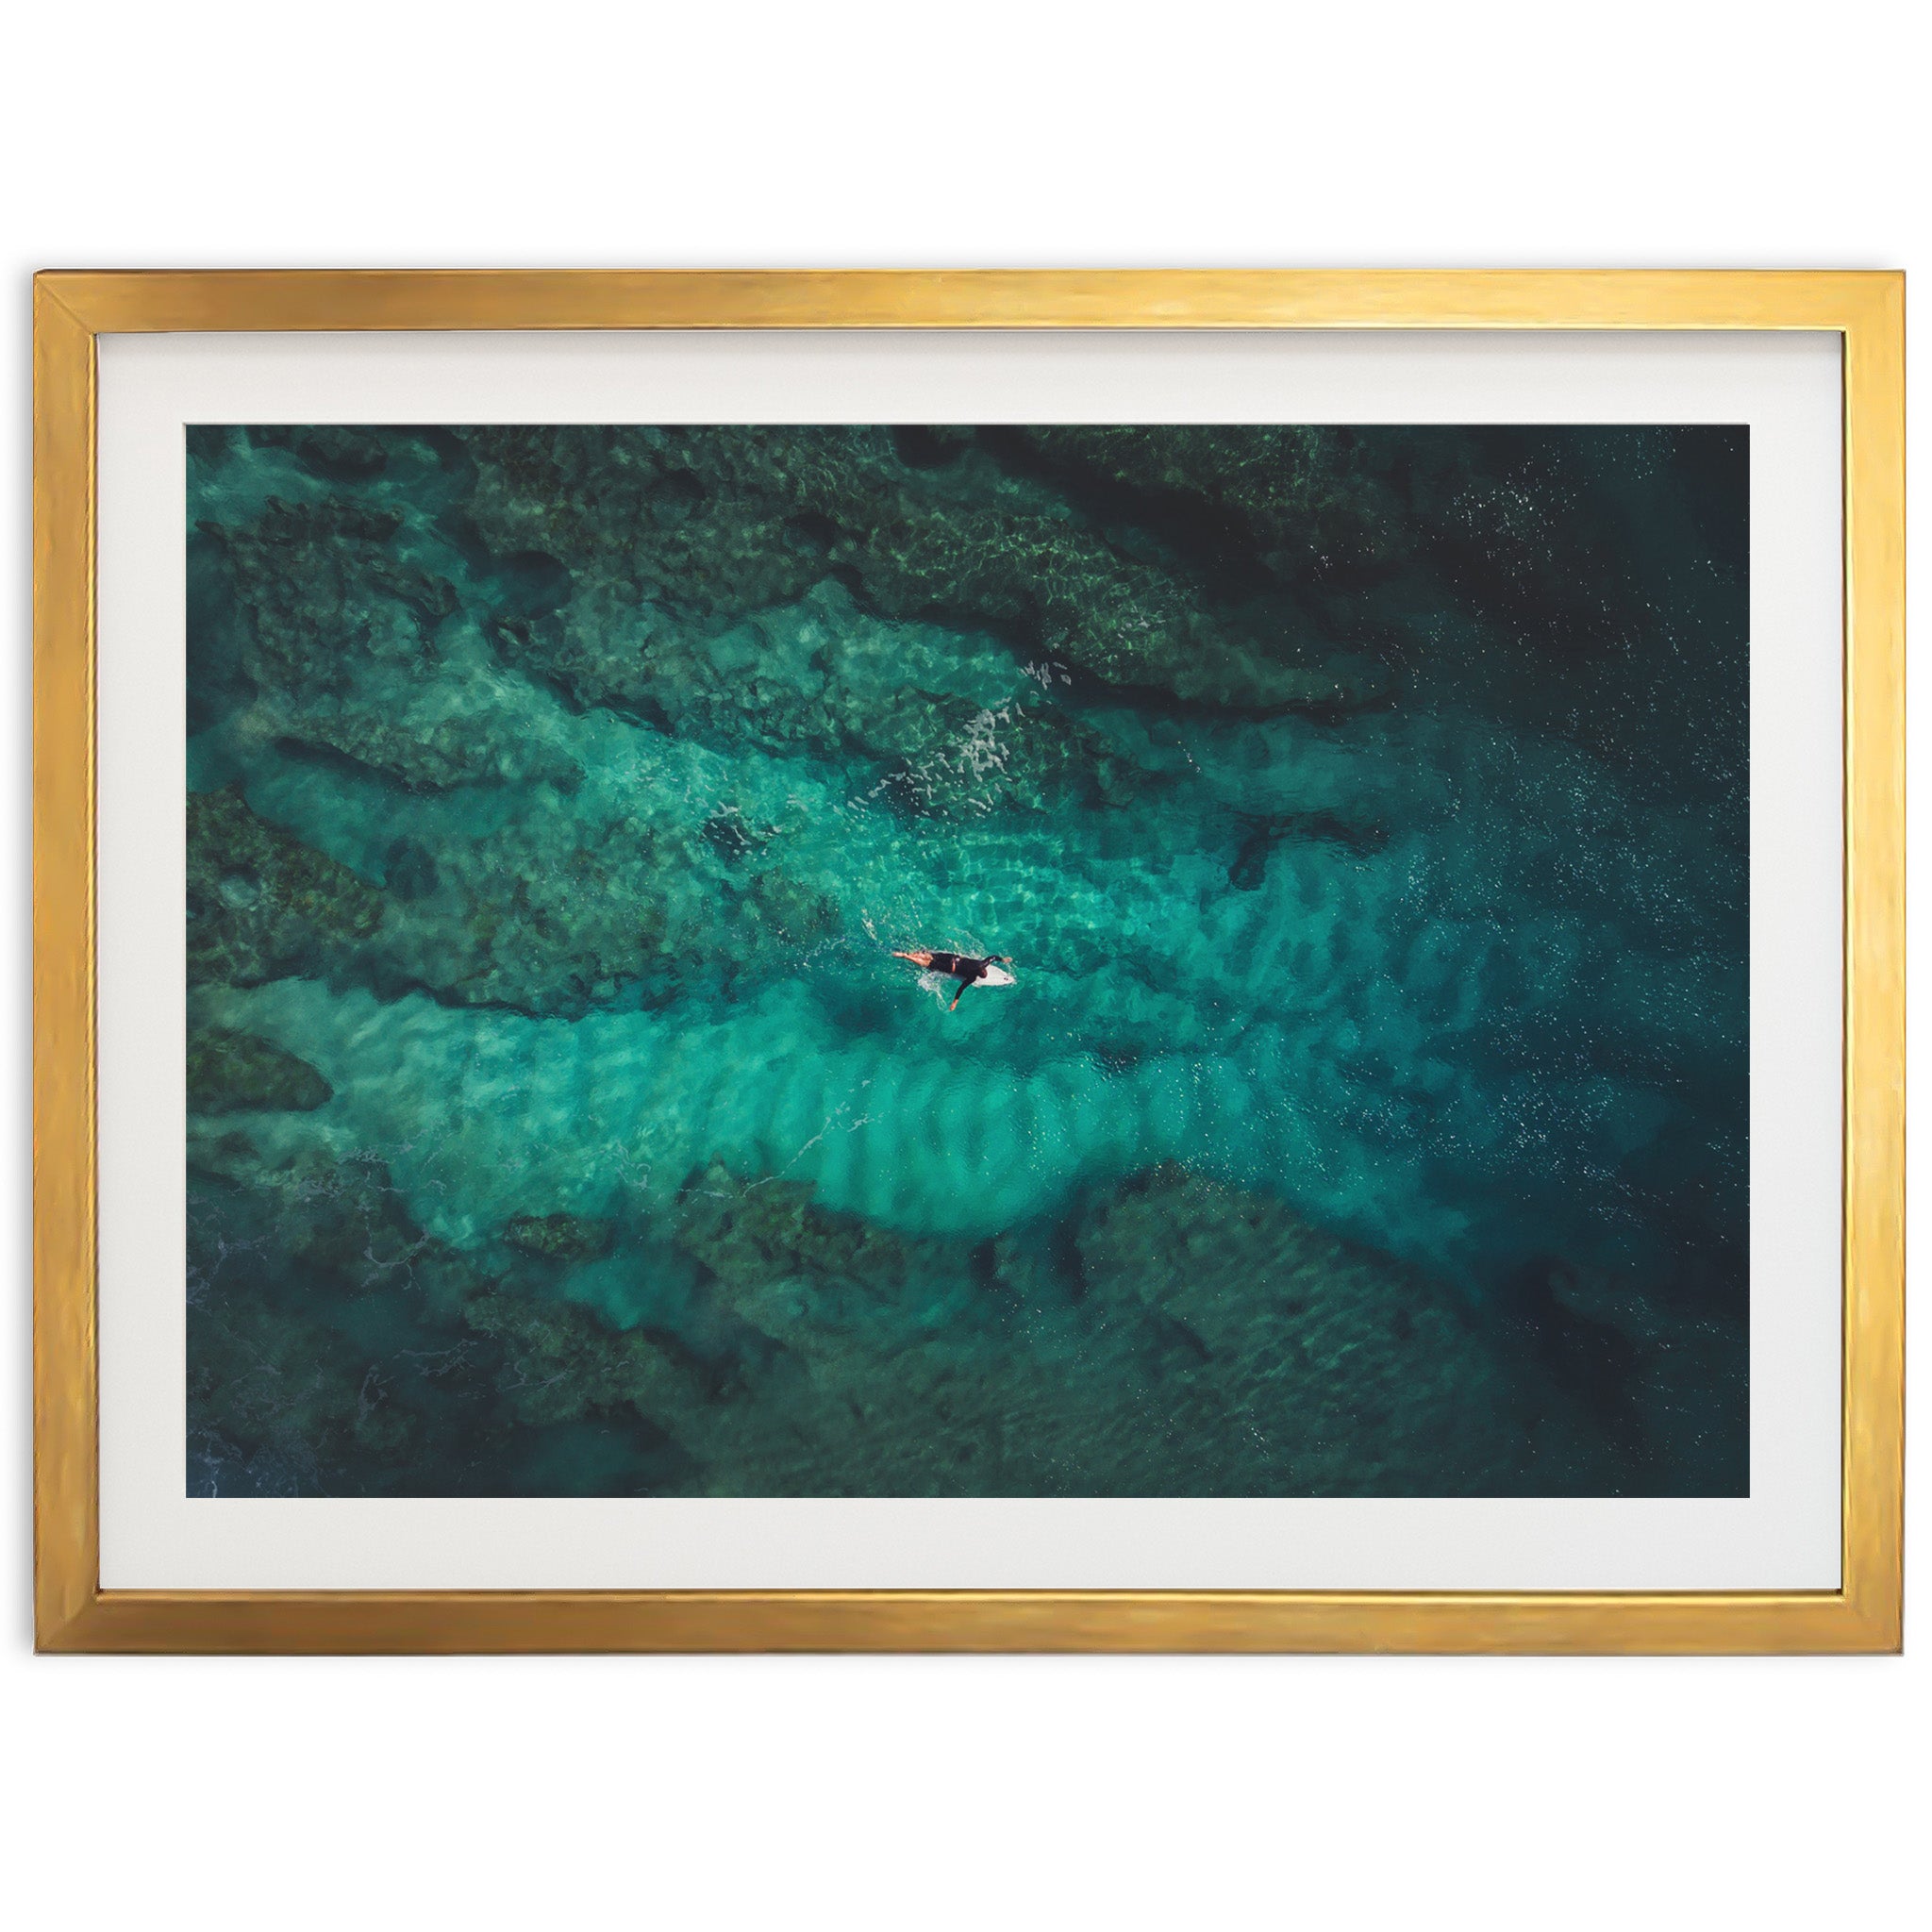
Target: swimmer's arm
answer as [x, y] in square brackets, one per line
[960, 995]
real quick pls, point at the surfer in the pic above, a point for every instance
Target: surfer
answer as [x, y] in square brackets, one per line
[965, 969]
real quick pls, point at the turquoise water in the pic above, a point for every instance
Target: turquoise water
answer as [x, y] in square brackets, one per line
[1364, 812]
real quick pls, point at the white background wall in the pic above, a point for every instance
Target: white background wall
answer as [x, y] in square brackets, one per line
[915, 1792]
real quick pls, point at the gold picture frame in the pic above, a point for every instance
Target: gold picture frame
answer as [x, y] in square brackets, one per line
[73, 1613]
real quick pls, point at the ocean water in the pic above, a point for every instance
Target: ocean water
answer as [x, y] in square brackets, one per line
[1364, 812]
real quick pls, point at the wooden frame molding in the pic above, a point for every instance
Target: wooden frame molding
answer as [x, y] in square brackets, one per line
[73, 1612]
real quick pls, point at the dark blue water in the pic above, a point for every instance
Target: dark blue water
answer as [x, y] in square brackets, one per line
[1365, 814]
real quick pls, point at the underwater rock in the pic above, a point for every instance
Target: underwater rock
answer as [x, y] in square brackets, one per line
[321, 587]
[752, 1235]
[261, 903]
[330, 449]
[792, 911]
[542, 917]
[415, 737]
[1284, 495]
[1212, 1342]
[1217, 1344]
[343, 1219]
[519, 921]
[738, 519]
[561, 1237]
[280, 1399]
[340, 650]
[823, 677]
[890, 1380]
[408, 870]
[625, 515]
[961, 759]
[337, 1348]
[560, 1364]
[280, 1406]
[1355, 1373]
[230, 1071]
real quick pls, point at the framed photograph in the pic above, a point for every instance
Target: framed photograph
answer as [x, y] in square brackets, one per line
[969, 962]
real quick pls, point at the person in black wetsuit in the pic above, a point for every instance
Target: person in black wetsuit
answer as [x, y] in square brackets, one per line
[959, 966]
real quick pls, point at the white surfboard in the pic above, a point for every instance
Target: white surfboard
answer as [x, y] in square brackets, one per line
[995, 975]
